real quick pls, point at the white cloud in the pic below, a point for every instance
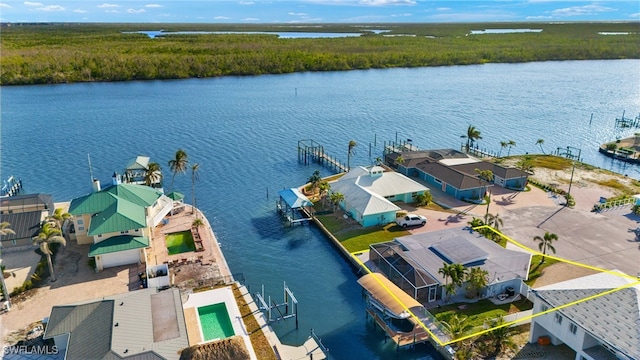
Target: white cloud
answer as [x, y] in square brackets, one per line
[51, 8]
[153, 6]
[246, 2]
[3, 5]
[79, 11]
[222, 18]
[104, 6]
[297, 14]
[250, 19]
[636, 15]
[443, 9]
[580, 10]
[136, 11]
[387, 2]
[28, 3]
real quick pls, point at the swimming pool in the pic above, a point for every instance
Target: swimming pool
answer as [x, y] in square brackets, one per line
[215, 322]
[179, 242]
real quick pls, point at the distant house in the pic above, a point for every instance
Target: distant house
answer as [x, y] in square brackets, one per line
[142, 324]
[118, 221]
[455, 172]
[412, 262]
[601, 328]
[369, 193]
[24, 213]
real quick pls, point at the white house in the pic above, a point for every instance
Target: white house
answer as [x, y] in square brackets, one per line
[603, 327]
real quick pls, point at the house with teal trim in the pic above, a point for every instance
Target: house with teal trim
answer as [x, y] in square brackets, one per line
[370, 193]
[117, 221]
[454, 172]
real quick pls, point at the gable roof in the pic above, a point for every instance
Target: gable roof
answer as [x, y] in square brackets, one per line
[118, 243]
[388, 183]
[364, 201]
[119, 216]
[614, 318]
[122, 326]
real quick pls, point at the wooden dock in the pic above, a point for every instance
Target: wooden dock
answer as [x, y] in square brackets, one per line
[309, 150]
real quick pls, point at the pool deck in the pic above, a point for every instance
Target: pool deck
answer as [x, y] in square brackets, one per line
[210, 254]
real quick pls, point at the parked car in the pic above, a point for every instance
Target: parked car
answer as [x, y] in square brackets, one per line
[411, 220]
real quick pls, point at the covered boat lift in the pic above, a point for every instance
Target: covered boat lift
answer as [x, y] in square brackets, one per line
[386, 301]
[292, 206]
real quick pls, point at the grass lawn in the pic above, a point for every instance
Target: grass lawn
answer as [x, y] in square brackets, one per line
[179, 242]
[483, 310]
[537, 268]
[360, 238]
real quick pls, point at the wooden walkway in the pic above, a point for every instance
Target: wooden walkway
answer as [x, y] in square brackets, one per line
[309, 150]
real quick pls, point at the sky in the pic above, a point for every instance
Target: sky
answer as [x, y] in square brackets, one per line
[316, 11]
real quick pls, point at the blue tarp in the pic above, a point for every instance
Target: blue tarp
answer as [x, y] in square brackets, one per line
[294, 198]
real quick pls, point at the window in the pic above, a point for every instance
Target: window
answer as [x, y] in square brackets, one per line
[124, 232]
[137, 230]
[573, 328]
[14, 242]
[558, 318]
[437, 180]
[543, 308]
[100, 235]
[80, 228]
[80, 222]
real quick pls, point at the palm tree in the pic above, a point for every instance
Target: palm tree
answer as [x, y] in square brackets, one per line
[486, 175]
[49, 234]
[466, 350]
[540, 142]
[314, 180]
[457, 325]
[324, 188]
[153, 174]
[178, 165]
[336, 199]
[197, 223]
[501, 337]
[494, 220]
[195, 176]
[58, 218]
[503, 144]
[477, 279]
[351, 151]
[399, 160]
[455, 272]
[473, 134]
[378, 160]
[545, 243]
[5, 229]
[511, 144]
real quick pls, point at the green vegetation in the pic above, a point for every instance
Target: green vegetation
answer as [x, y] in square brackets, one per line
[359, 239]
[179, 242]
[480, 312]
[60, 53]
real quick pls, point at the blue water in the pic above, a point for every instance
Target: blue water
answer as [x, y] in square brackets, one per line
[281, 34]
[243, 132]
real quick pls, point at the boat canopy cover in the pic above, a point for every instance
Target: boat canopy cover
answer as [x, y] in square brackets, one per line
[294, 198]
[388, 293]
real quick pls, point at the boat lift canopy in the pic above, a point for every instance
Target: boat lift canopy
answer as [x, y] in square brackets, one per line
[294, 198]
[388, 294]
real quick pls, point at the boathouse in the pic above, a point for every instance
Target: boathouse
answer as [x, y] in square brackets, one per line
[369, 193]
[291, 205]
[455, 172]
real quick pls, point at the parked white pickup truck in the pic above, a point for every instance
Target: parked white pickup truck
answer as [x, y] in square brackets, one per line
[411, 220]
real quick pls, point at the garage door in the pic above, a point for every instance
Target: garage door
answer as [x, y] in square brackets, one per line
[121, 258]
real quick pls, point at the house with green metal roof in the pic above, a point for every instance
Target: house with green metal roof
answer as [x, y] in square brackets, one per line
[117, 221]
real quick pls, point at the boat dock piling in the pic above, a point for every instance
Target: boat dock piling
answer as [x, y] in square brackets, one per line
[624, 122]
[309, 150]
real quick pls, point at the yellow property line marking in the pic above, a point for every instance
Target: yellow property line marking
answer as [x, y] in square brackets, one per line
[636, 282]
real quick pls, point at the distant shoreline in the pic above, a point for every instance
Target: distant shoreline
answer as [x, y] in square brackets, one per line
[68, 53]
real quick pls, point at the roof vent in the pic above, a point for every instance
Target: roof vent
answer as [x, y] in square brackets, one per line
[116, 324]
[126, 351]
[122, 303]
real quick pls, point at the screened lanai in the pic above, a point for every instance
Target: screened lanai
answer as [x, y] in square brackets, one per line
[403, 271]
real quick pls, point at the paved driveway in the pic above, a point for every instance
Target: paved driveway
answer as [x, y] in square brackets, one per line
[603, 240]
